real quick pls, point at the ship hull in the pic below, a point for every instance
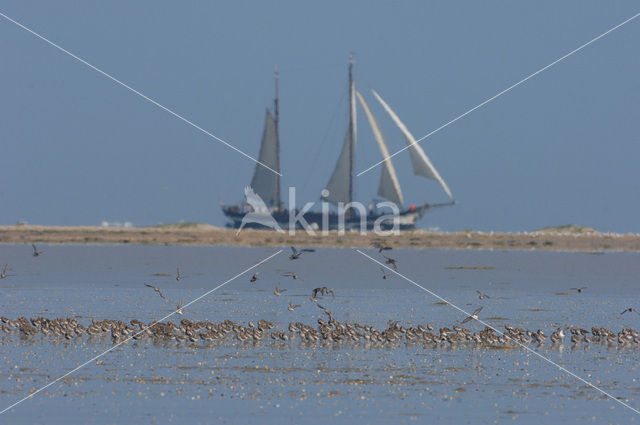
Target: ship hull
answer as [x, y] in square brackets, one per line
[407, 219]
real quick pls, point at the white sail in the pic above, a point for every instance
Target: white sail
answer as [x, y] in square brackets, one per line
[340, 184]
[389, 188]
[265, 182]
[422, 166]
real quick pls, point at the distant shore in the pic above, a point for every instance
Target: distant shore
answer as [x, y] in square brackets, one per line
[563, 238]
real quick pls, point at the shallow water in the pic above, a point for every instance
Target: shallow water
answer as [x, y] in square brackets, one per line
[290, 382]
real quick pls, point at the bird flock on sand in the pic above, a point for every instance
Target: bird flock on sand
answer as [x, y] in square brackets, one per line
[329, 331]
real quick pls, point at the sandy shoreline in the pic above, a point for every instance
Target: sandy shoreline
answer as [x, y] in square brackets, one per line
[560, 239]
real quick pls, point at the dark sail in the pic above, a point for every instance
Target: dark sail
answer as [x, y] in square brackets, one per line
[265, 182]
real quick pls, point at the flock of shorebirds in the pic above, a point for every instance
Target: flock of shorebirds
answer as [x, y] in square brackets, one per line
[329, 331]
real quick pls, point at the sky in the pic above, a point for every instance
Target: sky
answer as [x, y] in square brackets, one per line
[78, 149]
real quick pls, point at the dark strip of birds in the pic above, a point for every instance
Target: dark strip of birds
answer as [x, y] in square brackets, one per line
[327, 332]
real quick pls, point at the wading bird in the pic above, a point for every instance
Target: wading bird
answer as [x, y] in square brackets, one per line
[557, 336]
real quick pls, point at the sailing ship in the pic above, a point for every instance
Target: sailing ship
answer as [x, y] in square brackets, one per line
[339, 191]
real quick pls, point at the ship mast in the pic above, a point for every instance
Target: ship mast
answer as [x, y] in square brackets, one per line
[351, 125]
[276, 113]
[340, 186]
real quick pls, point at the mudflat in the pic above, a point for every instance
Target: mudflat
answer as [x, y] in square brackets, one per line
[562, 238]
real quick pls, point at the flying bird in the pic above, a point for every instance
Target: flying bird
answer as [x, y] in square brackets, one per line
[482, 296]
[326, 311]
[313, 294]
[384, 273]
[4, 272]
[579, 289]
[178, 277]
[277, 291]
[391, 261]
[254, 277]
[292, 275]
[292, 307]
[474, 315]
[155, 289]
[36, 253]
[380, 246]
[630, 310]
[295, 254]
[322, 291]
[179, 308]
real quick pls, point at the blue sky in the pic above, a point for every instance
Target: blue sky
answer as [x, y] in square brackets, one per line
[561, 148]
